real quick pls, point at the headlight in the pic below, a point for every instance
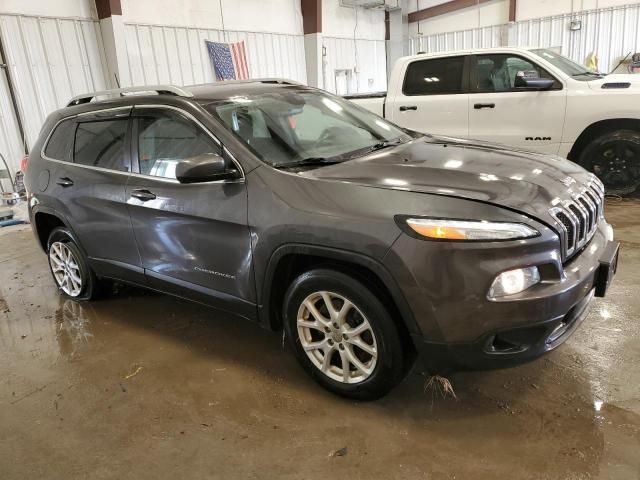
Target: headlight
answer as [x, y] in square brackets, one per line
[514, 281]
[470, 229]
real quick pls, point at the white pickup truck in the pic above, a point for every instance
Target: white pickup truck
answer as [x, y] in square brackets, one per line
[534, 99]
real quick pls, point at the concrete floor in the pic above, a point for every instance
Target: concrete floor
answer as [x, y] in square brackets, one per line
[146, 386]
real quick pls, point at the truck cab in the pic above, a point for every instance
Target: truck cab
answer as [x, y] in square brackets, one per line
[533, 99]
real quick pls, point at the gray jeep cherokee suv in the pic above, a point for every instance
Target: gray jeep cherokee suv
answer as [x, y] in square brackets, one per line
[296, 209]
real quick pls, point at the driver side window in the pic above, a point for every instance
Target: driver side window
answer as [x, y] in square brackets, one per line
[497, 73]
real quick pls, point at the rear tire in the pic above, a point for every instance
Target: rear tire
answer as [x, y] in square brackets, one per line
[69, 267]
[615, 158]
[333, 320]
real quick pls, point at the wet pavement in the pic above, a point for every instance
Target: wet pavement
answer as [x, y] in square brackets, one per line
[141, 385]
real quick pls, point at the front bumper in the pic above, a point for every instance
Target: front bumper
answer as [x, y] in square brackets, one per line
[460, 329]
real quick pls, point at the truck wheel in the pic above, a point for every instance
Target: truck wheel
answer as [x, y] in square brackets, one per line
[615, 158]
[69, 267]
[343, 335]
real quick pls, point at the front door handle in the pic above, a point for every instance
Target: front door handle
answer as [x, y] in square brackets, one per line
[65, 182]
[478, 106]
[404, 108]
[143, 195]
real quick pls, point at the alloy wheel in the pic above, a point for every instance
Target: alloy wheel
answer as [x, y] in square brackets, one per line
[65, 268]
[337, 337]
[617, 164]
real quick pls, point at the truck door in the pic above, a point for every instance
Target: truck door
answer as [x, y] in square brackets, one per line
[503, 113]
[432, 98]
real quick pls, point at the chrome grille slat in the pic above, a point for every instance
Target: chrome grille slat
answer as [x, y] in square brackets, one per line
[595, 202]
[581, 217]
[578, 217]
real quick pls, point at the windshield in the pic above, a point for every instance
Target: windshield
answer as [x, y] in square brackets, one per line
[291, 126]
[568, 66]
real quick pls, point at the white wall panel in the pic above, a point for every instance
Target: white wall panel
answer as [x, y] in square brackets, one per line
[177, 55]
[484, 37]
[341, 54]
[51, 60]
[609, 32]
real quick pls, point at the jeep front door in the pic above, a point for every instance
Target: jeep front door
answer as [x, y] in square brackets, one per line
[501, 112]
[193, 238]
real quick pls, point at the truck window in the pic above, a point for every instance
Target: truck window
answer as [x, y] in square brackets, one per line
[497, 73]
[437, 76]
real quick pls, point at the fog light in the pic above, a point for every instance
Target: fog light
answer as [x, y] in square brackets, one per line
[514, 281]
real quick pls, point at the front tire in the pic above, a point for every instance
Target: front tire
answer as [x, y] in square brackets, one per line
[615, 158]
[69, 267]
[342, 335]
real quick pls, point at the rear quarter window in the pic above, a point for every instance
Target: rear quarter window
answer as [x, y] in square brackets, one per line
[61, 141]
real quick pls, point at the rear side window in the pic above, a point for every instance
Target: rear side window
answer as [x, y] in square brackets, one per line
[167, 138]
[437, 76]
[101, 144]
[60, 142]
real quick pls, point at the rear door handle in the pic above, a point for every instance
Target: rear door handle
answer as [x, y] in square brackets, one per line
[65, 182]
[404, 108]
[478, 106]
[143, 195]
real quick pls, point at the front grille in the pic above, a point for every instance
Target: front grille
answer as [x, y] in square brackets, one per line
[578, 217]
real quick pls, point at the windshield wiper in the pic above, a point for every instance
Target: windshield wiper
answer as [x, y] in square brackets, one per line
[311, 162]
[385, 144]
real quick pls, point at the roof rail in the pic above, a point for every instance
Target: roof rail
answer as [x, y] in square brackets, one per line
[284, 81]
[121, 92]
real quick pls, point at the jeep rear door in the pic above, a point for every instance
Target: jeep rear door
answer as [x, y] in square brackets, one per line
[88, 185]
[499, 112]
[432, 97]
[193, 238]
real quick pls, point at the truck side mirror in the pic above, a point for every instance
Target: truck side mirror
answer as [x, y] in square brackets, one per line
[530, 80]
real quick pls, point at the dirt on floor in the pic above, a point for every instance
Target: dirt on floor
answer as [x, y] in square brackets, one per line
[141, 385]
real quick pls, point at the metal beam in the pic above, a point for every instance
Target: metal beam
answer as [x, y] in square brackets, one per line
[108, 8]
[442, 9]
[4, 65]
[311, 16]
[512, 10]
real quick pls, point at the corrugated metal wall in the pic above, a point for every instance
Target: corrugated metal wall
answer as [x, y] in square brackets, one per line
[51, 60]
[609, 32]
[485, 37]
[177, 55]
[368, 55]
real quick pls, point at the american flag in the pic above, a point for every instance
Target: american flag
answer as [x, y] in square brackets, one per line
[229, 60]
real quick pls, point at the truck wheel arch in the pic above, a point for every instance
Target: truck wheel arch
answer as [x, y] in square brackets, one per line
[599, 128]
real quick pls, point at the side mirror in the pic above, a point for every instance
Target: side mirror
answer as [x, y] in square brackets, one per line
[529, 79]
[207, 167]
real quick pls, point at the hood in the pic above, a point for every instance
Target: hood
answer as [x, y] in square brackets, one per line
[520, 180]
[617, 81]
